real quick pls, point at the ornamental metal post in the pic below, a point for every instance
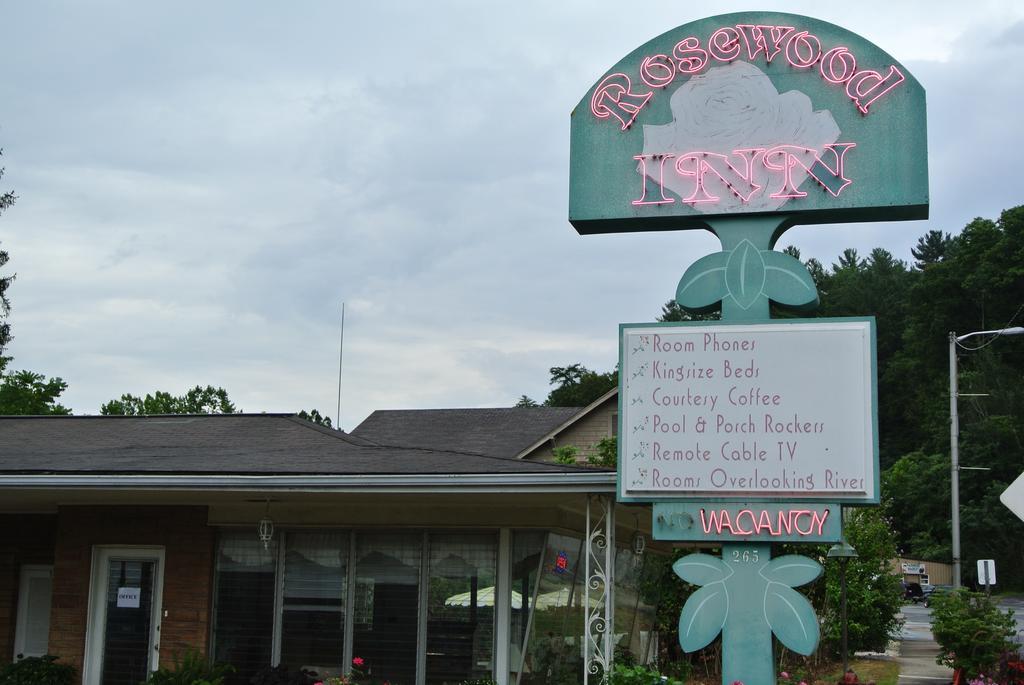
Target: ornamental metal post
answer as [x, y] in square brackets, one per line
[599, 589]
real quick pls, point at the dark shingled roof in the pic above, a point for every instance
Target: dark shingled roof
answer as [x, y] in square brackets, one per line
[503, 432]
[223, 444]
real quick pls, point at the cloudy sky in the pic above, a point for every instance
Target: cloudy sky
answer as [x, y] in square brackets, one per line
[201, 185]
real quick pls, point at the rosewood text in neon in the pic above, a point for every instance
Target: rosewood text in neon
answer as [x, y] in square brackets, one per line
[618, 97]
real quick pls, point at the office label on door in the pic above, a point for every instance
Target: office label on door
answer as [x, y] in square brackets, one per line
[734, 411]
[128, 597]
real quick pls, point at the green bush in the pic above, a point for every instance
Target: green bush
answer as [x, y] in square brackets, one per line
[973, 634]
[565, 454]
[639, 675]
[192, 668]
[873, 592]
[282, 674]
[37, 670]
[605, 453]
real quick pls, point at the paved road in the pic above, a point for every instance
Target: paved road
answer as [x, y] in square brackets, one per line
[918, 650]
[1017, 604]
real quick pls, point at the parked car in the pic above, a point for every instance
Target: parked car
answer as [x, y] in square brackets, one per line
[936, 590]
[913, 592]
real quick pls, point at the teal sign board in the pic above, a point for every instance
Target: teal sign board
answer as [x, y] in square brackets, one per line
[753, 522]
[748, 431]
[745, 115]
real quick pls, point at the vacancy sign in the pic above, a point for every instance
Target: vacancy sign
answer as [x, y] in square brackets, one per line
[741, 412]
[1013, 497]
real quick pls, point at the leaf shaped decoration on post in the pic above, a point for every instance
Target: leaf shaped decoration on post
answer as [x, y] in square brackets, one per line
[787, 281]
[703, 284]
[703, 616]
[792, 570]
[745, 274]
[701, 569]
[791, 618]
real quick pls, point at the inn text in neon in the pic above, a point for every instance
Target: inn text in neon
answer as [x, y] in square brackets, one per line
[710, 174]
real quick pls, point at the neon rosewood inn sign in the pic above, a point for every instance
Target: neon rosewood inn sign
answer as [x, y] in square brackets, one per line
[791, 115]
[748, 431]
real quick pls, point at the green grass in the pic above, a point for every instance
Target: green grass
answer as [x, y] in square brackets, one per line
[881, 671]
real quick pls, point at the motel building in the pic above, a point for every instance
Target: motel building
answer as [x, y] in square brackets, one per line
[436, 545]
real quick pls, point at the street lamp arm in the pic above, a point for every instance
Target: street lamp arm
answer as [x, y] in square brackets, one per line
[1015, 330]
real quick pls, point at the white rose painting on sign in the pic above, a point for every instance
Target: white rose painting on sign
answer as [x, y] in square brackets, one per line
[735, 142]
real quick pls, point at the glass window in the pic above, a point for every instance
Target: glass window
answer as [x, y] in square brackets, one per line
[634, 610]
[313, 606]
[554, 645]
[527, 550]
[460, 607]
[385, 623]
[243, 609]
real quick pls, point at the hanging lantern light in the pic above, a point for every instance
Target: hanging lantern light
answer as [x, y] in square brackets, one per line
[639, 544]
[265, 528]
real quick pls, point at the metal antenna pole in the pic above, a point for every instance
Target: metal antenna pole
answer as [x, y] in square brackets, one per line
[341, 351]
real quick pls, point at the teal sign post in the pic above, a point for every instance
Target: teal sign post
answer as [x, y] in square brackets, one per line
[748, 431]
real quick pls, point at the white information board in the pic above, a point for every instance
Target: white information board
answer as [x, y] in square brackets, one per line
[748, 411]
[128, 597]
[986, 571]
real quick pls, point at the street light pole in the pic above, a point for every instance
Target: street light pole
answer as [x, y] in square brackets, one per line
[954, 457]
[954, 437]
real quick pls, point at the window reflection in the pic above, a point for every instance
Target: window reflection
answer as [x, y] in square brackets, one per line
[460, 607]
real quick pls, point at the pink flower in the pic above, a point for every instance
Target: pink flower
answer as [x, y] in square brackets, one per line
[784, 675]
[357, 661]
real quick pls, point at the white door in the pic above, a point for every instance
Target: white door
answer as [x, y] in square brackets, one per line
[32, 632]
[123, 638]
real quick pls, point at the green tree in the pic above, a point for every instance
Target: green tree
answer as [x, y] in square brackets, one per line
[6, 200]
[671, 311]
[873, 594]
[26, 393]
[931, 248]
[578, 386]
[5, 309]
[921, 518]
[314, 416]
[525, 401]
[976, 285]
[198, 400]
[973, 633]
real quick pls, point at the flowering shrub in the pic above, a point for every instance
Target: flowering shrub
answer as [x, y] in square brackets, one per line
[356, 675]
[786, 679]
[974, 635]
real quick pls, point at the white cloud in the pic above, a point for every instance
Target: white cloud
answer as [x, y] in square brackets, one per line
[201, 186]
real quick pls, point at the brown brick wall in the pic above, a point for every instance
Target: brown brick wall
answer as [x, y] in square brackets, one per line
[188, 544]
[28, 539]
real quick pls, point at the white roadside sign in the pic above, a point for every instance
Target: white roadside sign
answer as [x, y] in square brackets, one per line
[986, 571]
[740, 411]
[1013, 497]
